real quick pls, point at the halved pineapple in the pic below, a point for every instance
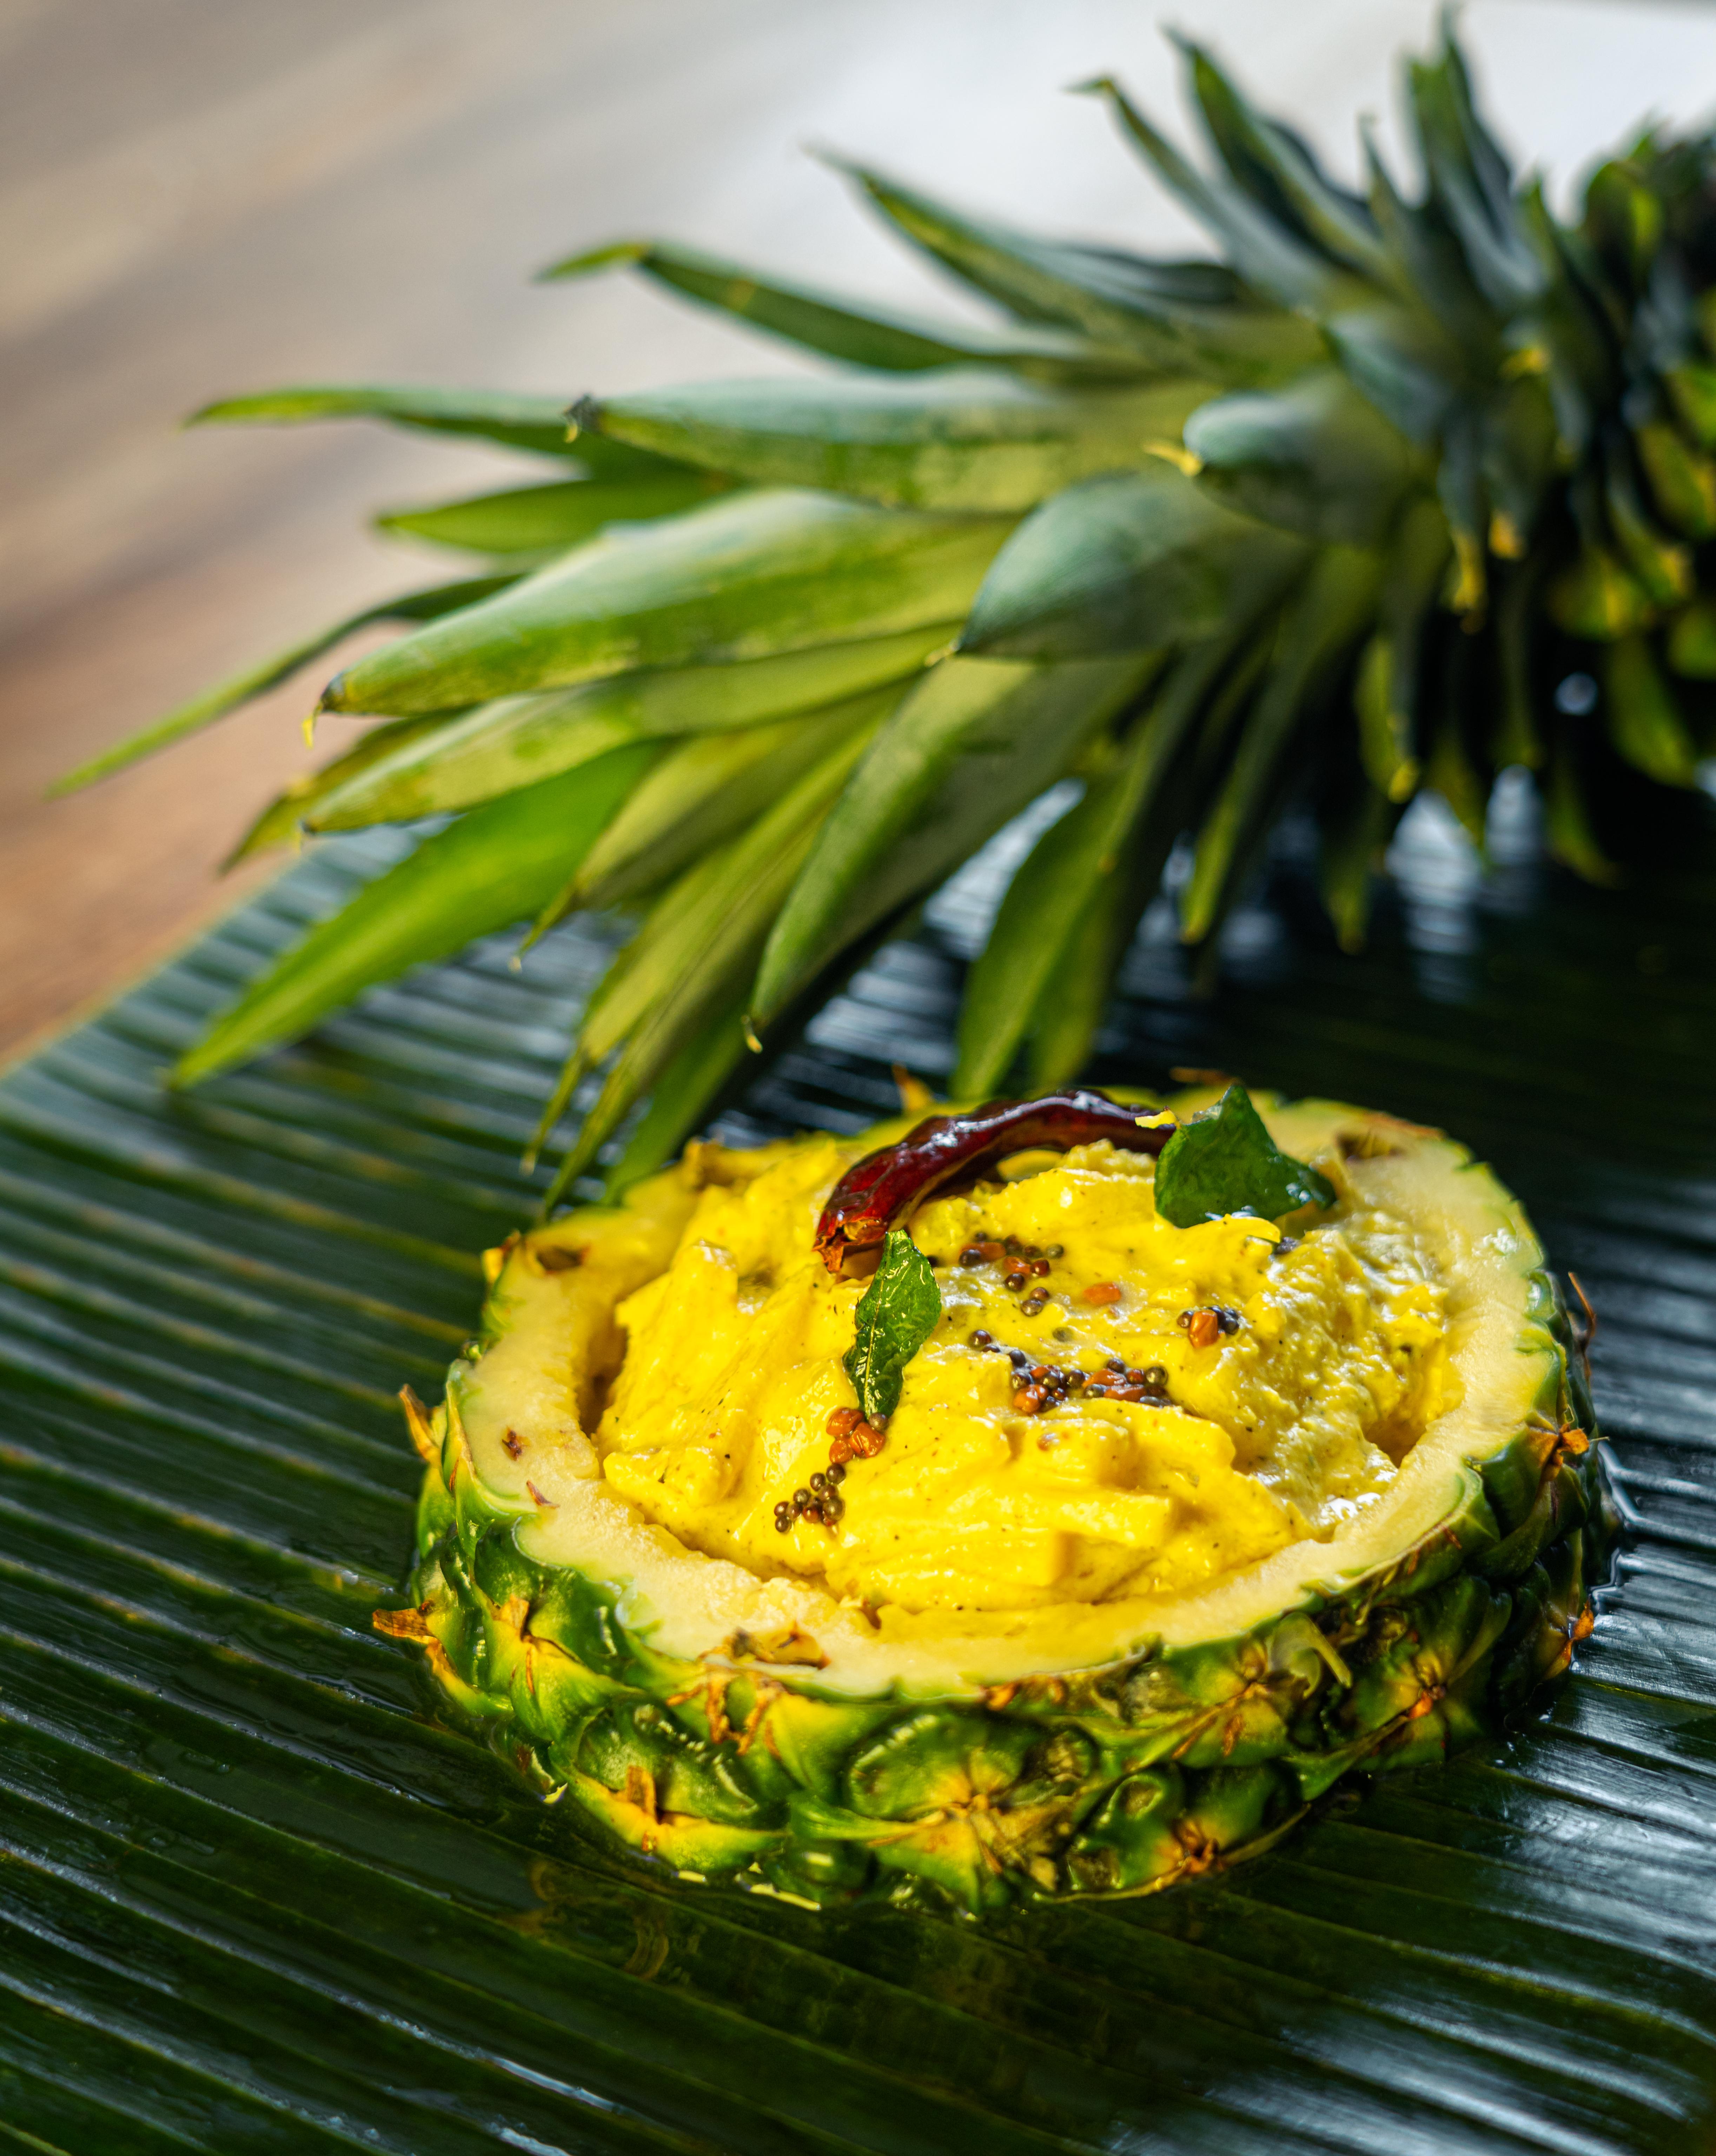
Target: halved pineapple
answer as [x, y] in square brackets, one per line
[1171, 1526]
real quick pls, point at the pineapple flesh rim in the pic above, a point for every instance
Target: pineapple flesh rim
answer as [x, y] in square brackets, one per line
[528, 1409]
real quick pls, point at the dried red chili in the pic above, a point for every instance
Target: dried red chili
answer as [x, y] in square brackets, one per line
[877, 1193]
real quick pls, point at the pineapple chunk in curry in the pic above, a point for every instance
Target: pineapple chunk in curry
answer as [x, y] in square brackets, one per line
[1109, 1405]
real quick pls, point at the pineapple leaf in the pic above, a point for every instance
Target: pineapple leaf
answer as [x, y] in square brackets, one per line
[1568, 823]
[1050, 892]
[1644, 721]
[954, 438]
[1388, 686]
[546, 519]
[1121, 563]
[1315, 459]
[515, 741]
[1178, 317]
[539, 424]
[1324, 620]
[287, 814]
[1353, 836]
[1070, 1007]
[238, 689]
[972, 743]
[702, 792]
[487, 870]
[745, 577]
[1270, 256]
[680, 1099]
[1400, 362]
[1272, 166]
[867, 336]
[1055, 938]
[698, 946]
[477, 756]
[535, 423]
[1469, 178]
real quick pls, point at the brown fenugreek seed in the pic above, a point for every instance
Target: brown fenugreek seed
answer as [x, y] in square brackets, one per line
[1028, 1400]
[1203, 1328]
[991, 1251]
[1103, 1291]
[843, 1422]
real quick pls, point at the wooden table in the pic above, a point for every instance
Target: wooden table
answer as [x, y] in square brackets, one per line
[198, 199]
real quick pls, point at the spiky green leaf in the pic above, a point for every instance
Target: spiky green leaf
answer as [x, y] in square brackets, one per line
[1315, 459]
[864, 335]
[288, 814]
[951, 439]
[238, 689]
[1122, 563]
[695, 950]
[747, 577]
[1323, 620]
[703, 791]
[515, 741]
[497, 865]
[546, 520]
[972, 743]
[1177, 316]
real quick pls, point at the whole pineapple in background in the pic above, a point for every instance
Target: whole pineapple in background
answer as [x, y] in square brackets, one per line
[1402, 492]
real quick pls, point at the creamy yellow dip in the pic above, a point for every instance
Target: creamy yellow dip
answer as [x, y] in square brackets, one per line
[1281, 1427]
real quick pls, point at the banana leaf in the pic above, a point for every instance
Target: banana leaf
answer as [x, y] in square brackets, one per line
[255, 1895]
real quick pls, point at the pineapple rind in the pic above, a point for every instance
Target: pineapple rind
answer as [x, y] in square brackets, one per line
[1115, 1779]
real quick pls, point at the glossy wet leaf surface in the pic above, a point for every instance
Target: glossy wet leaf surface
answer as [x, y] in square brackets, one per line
[254, 1897]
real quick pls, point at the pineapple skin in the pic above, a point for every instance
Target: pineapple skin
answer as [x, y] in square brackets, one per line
[1112, 1780]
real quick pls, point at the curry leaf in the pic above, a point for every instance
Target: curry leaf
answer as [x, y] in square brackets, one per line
[1224, 1161]
[896, 1315]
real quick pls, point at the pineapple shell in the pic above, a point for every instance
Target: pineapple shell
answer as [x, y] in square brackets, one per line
[726, 1726]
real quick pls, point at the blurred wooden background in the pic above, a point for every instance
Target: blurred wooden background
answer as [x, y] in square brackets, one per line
[198, 197]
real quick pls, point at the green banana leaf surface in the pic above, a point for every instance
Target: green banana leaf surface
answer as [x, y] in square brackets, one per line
[255, 1896]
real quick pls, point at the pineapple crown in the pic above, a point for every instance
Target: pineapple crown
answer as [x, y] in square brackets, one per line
[1401, 491]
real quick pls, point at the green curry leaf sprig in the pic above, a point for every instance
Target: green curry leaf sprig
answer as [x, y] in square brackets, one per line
[1223, 1160]
[896, 1315]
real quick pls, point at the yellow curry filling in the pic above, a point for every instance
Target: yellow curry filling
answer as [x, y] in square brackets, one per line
[1013, 1473]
